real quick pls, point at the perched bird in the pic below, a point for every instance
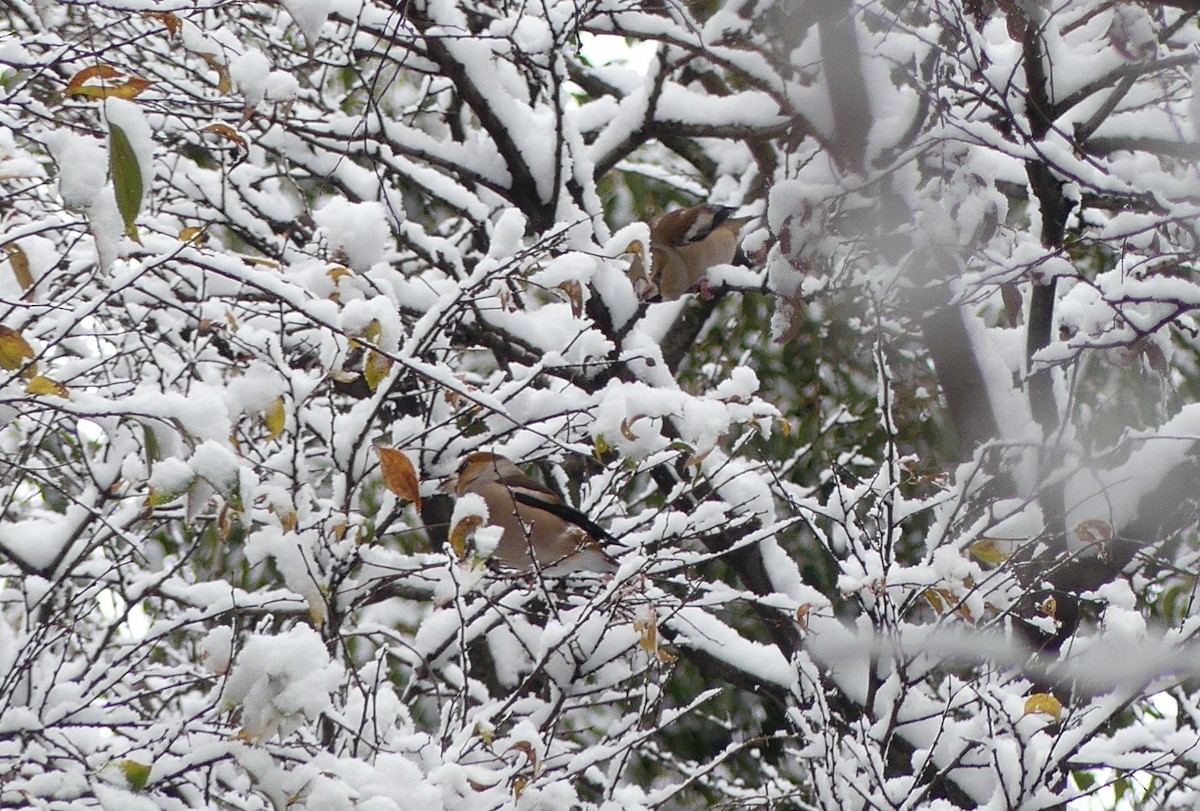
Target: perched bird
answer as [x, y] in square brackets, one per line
[684, 244]
[538, 528]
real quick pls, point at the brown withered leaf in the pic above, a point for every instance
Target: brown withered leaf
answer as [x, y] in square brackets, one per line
[461, 532]
[574, 293]
[228, 133]
[169, 20]
[127, 88]
[399, 475]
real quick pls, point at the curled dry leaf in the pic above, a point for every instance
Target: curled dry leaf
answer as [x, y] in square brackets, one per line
[169, 20]
[627, 427]
[1048, 607]
[1094, 531]
[228, 133]
[224, 83]
[574, 293]
[461, 532]
[128, 88]
[399, 475]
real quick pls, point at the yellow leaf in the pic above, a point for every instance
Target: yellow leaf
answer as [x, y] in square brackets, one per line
[288, 521]
[41, 384]
[193, 235]
[275, 418]
[399, 475]
[935, 598]
[20, 265]
[14, 349]
[600, 447]
[988, 551]
[374, 331]
[138, 774]
[461, 532]
[1045, 704]
[647, 631]
[339, 272]
[126, 172]
[376, 368]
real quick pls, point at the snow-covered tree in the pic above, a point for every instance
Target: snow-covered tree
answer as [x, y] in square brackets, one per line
[905, 514]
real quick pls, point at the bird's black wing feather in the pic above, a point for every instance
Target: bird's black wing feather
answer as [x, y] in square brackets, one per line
[565, 512]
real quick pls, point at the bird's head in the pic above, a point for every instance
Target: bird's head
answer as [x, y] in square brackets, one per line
[478, 468]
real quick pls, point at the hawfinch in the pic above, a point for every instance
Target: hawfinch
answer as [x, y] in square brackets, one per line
[538, 528]
[684, 244]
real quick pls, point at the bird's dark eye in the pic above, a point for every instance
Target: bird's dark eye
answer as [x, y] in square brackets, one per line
[462, 467]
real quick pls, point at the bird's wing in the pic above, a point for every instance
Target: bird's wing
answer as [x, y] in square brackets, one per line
[540, 500]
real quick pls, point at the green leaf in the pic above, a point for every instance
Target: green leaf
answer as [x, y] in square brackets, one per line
[138, 774]
[126, 177]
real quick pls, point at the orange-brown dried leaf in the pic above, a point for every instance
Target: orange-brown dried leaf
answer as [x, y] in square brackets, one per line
[574, 293]
[101, 72]
[461, 532]
[228, 133]
[627, 427]
[1093, 531]
[224, 83]
[399, 475]
[169, 20]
